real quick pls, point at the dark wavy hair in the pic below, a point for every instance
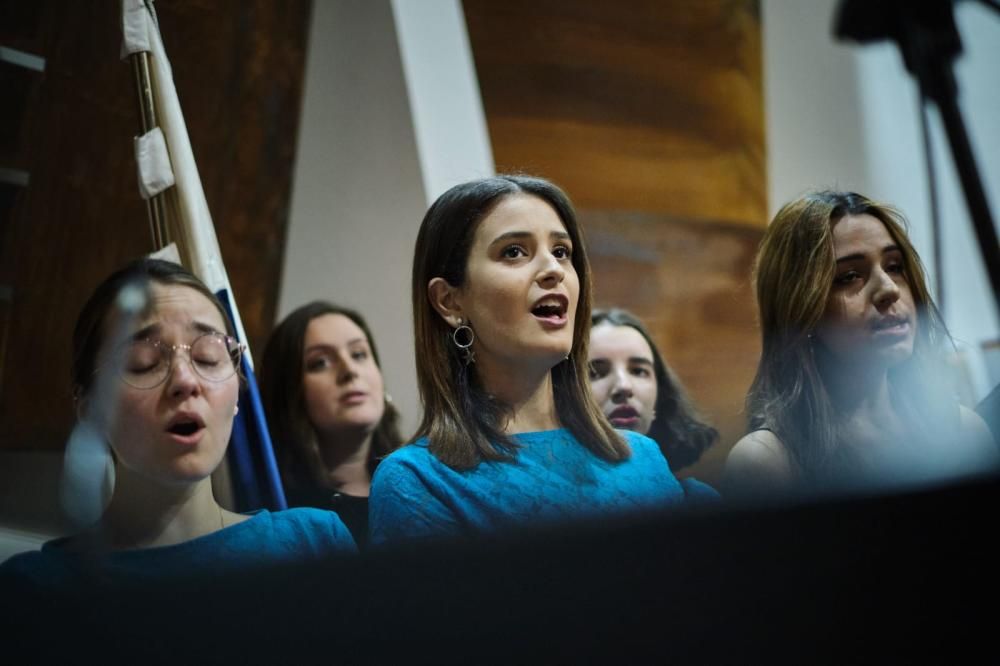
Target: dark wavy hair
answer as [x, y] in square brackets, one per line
[281, 391]
[463, 424]
[678, 427]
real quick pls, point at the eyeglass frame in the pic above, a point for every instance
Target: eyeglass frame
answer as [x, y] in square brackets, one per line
[235, 356]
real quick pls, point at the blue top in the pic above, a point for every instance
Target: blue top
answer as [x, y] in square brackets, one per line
[552, 477]
[265, 538]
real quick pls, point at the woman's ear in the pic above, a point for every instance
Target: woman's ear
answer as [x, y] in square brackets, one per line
[88, 415]
[445, 300]
[82, 405]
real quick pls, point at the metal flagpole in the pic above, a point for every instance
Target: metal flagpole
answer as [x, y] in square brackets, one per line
[156, 205]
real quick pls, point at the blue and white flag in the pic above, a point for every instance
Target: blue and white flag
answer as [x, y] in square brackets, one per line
[166, 164]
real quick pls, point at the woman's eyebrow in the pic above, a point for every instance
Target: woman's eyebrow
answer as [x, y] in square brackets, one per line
[858, 255]
[202, 327]
[510, 235]
[145, 332]
[319, 347]
[326, 346]
[521, 235]
[851, 257]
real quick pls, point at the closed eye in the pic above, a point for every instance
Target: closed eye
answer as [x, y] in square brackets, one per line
[143, 368]
[142, 356]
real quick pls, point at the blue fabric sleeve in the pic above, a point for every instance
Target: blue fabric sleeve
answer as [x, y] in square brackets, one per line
[402, 505]
[313, 532]
[697, 493]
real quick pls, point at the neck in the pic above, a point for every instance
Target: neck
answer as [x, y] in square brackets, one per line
[528, 392]
[345, 457]
[145, 514]
[858, 390]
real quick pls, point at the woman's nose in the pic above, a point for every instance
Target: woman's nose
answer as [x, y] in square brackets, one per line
[622, 388]
[182, 380]
[886, 290]
[346, 372]
[552, 273]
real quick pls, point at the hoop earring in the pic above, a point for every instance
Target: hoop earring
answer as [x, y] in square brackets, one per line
[468, 355]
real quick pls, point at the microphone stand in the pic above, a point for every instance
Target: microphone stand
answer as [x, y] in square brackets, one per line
[928, 40]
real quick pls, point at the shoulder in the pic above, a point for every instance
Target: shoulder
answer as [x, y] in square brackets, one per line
[978, 438]
[640, 444]
[973, 424]
[415, 451]
[646, 455]
[759, 462]
[22, 563]
[407, 463]
[320, 529]
[760, 448]
[411, 497]
[698, 492]
[306, 516]
[49, 566]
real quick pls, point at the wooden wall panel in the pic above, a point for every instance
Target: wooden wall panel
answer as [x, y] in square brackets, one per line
[650, 114]
[655, 105]
[238, 66]
[689, 282]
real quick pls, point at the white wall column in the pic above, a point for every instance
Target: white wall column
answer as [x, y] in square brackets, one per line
[450, 125]
[391, 117]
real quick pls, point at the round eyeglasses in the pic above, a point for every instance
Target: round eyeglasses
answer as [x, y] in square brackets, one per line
[145, 364]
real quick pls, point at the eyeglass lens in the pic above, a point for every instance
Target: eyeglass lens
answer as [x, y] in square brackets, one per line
[146, 363]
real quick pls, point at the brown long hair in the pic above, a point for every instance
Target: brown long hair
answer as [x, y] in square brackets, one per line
[678, 427]
[464, 425]
[282, 393]
[793, 275]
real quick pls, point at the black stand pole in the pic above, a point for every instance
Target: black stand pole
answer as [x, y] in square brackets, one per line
[975, 195]
[928, 39]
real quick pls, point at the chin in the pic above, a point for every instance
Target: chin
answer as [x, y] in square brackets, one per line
[556, 357]
[192, 469]
[180, 475]
[897, 356]
[364, 425]
[369, 418]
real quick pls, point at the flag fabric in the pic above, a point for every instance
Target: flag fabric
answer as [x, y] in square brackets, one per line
[166, 164]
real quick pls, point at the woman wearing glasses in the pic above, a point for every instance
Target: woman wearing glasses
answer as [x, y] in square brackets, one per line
[155, 374]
